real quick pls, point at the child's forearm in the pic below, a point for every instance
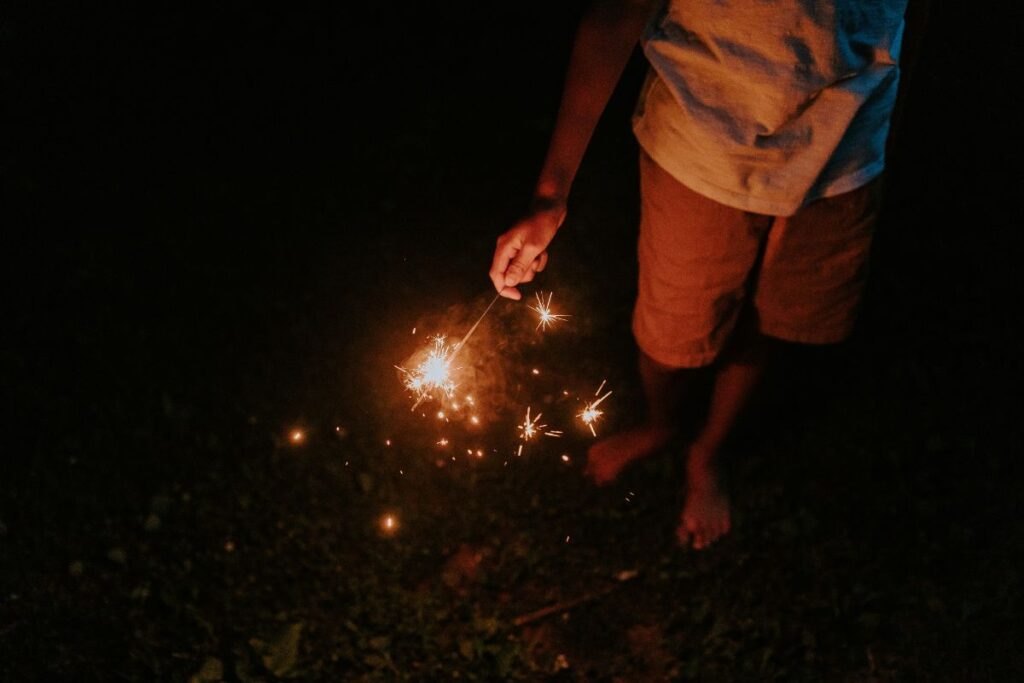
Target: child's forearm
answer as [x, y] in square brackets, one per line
[604, 42]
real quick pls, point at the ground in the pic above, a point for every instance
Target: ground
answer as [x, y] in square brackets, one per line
[230, 227]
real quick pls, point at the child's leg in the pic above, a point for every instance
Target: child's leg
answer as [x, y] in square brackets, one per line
[663, 388]
[695, 258]
[706, 514]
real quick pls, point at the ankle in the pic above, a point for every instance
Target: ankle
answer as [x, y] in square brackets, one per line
[701, 462]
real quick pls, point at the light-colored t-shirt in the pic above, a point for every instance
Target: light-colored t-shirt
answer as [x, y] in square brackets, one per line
[766, 105]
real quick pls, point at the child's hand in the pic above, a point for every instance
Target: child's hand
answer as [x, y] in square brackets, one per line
[520, 253]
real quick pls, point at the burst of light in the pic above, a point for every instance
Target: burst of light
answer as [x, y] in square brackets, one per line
[442, 442]
[440, 415]
[590, 413]
[433, 375]
[297, 436]
[543, 309]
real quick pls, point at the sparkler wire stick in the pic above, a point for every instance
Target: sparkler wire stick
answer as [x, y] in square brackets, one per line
[458, 347]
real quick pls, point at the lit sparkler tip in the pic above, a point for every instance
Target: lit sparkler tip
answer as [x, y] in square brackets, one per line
[433, 375]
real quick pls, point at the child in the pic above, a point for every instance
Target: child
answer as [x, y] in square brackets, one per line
[762, 128]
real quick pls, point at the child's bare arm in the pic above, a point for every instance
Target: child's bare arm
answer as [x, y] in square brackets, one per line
[604, 42]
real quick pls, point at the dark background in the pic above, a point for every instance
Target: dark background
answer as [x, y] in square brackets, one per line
[219, 225]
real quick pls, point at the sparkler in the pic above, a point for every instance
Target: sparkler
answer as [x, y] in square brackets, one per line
[590, 413]
[434, 375]
[544, 311]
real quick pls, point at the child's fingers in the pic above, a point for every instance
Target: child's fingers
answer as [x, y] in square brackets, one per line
[541, 262]
[519, 266]
[504, 253]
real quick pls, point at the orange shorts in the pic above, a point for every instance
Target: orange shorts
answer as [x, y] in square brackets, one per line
[701, 262]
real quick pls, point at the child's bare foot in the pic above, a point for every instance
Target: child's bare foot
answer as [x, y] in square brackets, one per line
[607, 457]
[705, 517]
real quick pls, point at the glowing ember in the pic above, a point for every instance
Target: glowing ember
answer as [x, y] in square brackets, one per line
[565, 458]
[389, 524]
[590, 413]
[475, 420]
[297, 436]
[544, 312]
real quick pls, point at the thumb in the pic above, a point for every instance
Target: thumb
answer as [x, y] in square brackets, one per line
[517, 269]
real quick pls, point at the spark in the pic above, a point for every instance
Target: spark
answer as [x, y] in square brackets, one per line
[530, 428]
[535, 371]
[442, 442]
[544, 311]
[475, 420]
[387, 442]
[479, 454]
[590, 413]
[297, 436]
[565, 458]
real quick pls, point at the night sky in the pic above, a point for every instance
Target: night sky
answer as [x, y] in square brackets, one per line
[222, 225]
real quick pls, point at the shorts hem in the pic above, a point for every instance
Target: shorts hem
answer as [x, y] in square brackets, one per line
[679, 360]
[789, 334]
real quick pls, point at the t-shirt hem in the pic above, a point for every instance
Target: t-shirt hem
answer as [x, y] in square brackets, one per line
[759, 205]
